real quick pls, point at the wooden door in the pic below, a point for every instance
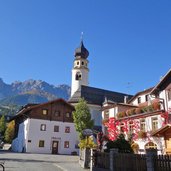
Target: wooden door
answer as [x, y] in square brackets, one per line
[55, 147]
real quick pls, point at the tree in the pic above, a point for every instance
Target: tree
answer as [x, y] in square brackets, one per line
[82, 117]
[2, 125]
[9, 133]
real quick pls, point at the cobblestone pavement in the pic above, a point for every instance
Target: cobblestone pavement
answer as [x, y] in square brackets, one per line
[39, 162]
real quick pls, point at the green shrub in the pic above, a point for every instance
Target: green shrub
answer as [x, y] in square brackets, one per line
[120, 143]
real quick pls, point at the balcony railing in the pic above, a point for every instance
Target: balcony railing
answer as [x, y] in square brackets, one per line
[156, 105]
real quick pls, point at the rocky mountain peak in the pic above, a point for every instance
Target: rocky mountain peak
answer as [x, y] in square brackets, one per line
[31, 87]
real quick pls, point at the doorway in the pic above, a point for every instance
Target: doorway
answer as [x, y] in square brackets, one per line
[55, 147]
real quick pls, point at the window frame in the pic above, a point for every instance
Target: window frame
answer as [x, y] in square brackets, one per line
[44, 112]
[121, 127]
[41, 143]
[43, 127]
[139, 100]
[67, 129]
[56, 128]
[131, 127]
[106, 114]
[66, 144]
[169, 94]
[57, 113]
[68, 115]
[146, 97]
[154, 123]
[142, 125]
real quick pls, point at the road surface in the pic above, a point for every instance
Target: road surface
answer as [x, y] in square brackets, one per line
[35, 162]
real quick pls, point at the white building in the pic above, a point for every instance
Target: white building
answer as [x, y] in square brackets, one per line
[146, 113]
[45, 128]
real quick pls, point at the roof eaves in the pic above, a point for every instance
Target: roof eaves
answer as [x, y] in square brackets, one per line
[161, 81]
[140, 93]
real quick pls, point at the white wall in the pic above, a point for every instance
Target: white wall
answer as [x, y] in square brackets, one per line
[34, 134]
[18, 143]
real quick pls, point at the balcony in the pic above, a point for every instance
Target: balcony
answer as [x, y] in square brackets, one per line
[156, 107]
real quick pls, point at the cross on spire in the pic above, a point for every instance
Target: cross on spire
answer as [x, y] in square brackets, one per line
[81, 36]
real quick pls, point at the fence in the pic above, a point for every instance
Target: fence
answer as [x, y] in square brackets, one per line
[162, 163]
[115, 161]
[101, 160]
[121, 162]
[130, 162]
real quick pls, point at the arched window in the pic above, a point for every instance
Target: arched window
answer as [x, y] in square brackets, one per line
[150, 145]
[78, 76]
[82, 63]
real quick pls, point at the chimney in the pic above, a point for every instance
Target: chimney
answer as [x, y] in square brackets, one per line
[125, 99]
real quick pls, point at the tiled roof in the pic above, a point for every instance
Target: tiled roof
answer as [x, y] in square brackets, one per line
[97, 96]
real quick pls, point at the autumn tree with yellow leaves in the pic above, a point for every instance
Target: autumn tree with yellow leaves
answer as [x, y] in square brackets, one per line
[9, 133]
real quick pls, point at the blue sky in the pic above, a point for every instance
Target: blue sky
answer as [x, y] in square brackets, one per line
[129, 41]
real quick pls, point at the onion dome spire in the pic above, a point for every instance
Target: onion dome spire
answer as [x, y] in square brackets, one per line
[81, 51]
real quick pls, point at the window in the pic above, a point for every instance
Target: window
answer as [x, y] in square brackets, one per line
[57, 113]
[56, 128]
[29, 141]
[122, 126]
[44, 111]
[131, 124]
[154, 124]
[146, 97]
[43, 127]
[82, 63]
[142, 125]
[106, 114]
[139, 100]
[41, 143]
[78, 76]
[66, 144]
[67, 129]
[169, 94]
[68, 115]
[77, 63]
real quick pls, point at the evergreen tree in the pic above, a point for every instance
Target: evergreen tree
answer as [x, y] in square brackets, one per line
[9, 133]
[82, 117]
[2, 126]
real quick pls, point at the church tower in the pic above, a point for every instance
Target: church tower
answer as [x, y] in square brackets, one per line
[80, 69]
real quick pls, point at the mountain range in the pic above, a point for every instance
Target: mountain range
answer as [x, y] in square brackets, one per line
[31, 91]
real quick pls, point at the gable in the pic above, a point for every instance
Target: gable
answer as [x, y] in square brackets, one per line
[163, 84]
[56, 110]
